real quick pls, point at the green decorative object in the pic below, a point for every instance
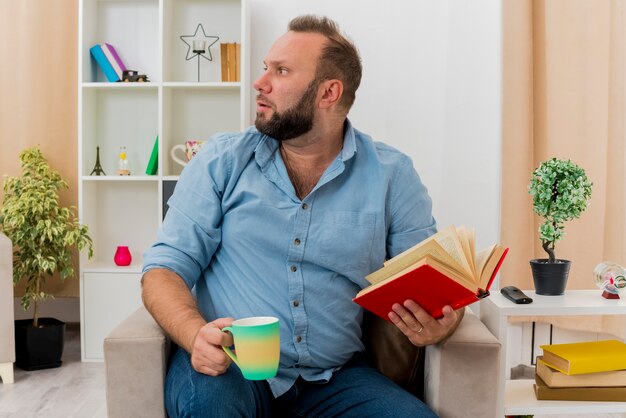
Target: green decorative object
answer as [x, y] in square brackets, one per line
[561, 192]
[43, 233]
[153, 163]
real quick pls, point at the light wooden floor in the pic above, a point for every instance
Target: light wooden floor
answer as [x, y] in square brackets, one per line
[75, 389]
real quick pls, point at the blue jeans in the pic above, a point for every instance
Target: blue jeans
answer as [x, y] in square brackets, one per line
[357, 390]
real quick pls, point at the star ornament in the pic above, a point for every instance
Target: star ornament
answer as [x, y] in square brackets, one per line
[189, 40]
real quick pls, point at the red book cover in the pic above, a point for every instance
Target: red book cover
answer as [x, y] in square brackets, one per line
[424, 284]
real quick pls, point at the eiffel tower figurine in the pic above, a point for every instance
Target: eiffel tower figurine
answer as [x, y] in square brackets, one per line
[97, 169]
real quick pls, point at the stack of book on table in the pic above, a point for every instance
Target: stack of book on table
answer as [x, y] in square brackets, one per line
[585, 371]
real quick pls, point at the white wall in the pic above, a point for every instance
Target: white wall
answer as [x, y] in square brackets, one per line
[431, 87]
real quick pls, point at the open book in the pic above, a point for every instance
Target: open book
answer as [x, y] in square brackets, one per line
[444, 269]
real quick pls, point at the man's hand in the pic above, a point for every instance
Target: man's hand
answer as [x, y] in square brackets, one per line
[207, 355]
[421, 328]
[178, 315]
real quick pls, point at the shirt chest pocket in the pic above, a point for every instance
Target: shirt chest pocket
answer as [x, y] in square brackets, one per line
[345, 240]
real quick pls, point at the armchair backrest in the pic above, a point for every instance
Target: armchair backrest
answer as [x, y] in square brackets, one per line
[393, 354]
[7, 336]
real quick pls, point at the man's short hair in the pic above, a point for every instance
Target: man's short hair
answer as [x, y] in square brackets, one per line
[340, 58]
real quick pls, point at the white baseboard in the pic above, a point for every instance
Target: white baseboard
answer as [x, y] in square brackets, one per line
[63, 309]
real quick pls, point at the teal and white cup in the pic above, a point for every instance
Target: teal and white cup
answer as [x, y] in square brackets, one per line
[257, 346]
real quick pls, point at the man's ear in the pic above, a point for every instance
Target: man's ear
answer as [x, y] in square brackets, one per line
[331, 92]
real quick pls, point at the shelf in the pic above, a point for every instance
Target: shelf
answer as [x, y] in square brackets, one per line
[520, 400]
[202, 85]
[110, 267]
[222, 18]
[131, 26]
[173, 106]
[169, 84]
[120, 178]
[119, 86]
[197, 114]
[574, 302]
[120, 213]
[517, 397]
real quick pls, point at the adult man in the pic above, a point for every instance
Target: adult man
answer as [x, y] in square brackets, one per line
[286, 220]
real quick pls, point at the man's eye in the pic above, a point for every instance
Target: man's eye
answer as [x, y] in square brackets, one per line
[282, 70]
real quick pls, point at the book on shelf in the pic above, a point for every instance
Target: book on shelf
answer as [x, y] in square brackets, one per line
[585, 357]
[555, 379]
[444, 269]
[153, 163]
[114, 59]
[237, 62]
[230, 56]
[232, 62]
[224, 61]
[103, 63]
[607, 394]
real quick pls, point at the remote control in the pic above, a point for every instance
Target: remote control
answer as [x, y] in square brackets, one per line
[514, 294]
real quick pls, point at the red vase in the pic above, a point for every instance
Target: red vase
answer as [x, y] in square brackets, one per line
[122, 256]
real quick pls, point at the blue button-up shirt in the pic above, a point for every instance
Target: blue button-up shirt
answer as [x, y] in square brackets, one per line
[236, 231]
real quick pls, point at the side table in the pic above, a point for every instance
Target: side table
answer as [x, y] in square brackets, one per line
[516, 397]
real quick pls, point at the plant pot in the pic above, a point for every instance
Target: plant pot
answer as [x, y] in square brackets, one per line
[550, 278]
[39, 348]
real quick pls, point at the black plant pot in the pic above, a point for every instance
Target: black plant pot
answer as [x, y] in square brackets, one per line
[550, 278]
[41, 347]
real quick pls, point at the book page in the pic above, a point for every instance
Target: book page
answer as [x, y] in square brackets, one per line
[452, 244]
[482, 257]
[436, 264]
[406, 259]
[466, 237]
[464, 281]
[408, 251]
[490, 265]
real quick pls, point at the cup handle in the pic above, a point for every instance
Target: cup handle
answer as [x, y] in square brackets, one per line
[174, 157]
[228, 351]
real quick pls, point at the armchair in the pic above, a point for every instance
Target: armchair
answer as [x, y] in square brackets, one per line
[460, 373]
[7, 336]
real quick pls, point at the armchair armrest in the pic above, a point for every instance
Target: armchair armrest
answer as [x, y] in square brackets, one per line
[461, 374]
[136, 353]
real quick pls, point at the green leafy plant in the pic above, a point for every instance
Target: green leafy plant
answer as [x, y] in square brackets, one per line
[43, 233]
[561, 192]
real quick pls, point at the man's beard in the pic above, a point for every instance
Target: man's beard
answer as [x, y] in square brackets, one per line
[293, 122]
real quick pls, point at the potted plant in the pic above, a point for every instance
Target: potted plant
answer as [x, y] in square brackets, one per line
[561, 192]
[43, 235]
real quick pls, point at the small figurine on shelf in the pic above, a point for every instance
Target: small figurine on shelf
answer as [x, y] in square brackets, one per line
[611, 278]
[132, 76]
[97, 169]
[122, 164]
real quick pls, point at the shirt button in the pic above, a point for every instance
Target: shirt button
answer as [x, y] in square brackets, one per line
[294, 268]
[297, 241]
[298, 339]
[305, 206]
[296, 303]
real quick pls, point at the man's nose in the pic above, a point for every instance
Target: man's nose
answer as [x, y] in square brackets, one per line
[262, 83]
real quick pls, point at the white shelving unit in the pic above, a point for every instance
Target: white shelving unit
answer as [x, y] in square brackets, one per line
[517, 397]
[127, 210]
